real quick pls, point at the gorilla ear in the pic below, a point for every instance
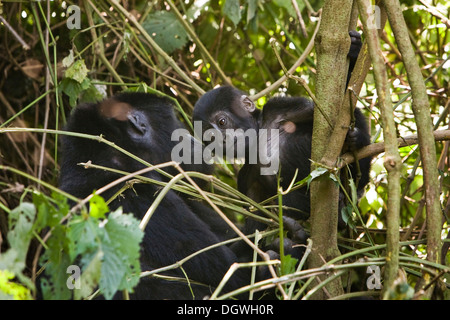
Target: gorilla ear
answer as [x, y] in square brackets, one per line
[247, 104]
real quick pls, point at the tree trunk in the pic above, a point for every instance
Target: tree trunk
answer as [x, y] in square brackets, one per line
[421, 109]
[332, 45]
[392, 160]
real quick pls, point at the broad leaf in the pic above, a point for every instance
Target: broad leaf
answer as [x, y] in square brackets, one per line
[166, 30]
[232, 9]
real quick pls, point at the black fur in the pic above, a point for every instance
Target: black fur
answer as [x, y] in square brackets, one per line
[142, 124]
[293, 116]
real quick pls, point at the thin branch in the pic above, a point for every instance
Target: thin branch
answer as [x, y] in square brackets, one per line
[377, 148]
[435, 13]
[291, 71]
[14, 33]
[198, 42]
[421, 110]
[157, 48]
[300, 18]
[392, 159]
[264, 255]
[300, 81]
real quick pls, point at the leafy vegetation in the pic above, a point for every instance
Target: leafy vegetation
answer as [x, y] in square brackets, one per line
[182, 49]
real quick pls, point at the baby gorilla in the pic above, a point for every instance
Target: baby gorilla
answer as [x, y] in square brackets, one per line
[226, 108]
[143, 124]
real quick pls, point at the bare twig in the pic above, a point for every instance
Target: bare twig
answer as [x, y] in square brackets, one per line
[157, 48]
[291, 71]
[300, 18]
[435, 12]
[264, 255]
[377, 148]
[14, 33]
[200, 45]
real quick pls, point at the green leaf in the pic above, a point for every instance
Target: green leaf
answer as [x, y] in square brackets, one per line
[83, 236]
[75, 244]
[109, 251]
[232, 9]
[77, 71]
[71, 88]
[49, 215]
[75, 81]
[354, 192]
[316, 173]
[251, 10]
[90, 277]
[97, 207]
[287, 4]
[335, 179]
[21, 220]
[121, 246]
[289, 264]
[347, 215]
[68, 61]
[166, 30]
[304, 181]
[9, 289]
[53, 285]
[50, 211]
[93, 93]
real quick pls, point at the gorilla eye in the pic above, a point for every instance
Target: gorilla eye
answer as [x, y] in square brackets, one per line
[222, 122]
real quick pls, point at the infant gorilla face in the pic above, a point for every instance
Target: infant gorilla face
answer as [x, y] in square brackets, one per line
[293, 117]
